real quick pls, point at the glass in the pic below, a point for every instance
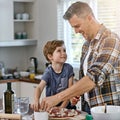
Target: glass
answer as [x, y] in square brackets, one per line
[21, 105]
[1, 104]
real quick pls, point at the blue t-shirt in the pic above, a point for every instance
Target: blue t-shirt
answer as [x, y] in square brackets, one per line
[57, 82]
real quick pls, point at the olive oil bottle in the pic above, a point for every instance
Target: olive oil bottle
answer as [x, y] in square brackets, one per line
[9, 99]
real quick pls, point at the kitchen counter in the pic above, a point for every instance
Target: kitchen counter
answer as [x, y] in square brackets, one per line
[20, 80]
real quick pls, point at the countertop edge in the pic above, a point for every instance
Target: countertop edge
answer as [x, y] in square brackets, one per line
[20, 80]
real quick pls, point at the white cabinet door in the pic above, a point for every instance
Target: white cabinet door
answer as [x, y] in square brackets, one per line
[27, 90]
[6, 20]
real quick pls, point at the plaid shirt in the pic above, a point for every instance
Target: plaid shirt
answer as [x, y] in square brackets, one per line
[103, 67]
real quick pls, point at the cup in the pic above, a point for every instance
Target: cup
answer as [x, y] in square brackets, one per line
[41, 115]
[24, 35]
[21, 105]
[18, 35]
[25, 16]
[18, 16]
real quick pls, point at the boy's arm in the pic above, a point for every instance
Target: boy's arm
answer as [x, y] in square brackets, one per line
[37, 94]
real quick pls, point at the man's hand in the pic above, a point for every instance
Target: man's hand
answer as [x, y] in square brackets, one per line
[74, 100]
[35, 106]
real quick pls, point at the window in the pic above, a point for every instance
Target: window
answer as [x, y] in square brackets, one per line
[106, 12]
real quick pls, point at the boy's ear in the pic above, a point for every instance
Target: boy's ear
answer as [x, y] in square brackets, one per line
[49, 56]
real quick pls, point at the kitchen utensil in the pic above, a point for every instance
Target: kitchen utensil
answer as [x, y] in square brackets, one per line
[21, 105]
[7, 116]
[38, 77]
[34, 64]
[113, 112]
[24, 74]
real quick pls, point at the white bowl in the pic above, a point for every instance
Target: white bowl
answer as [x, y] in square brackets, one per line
[113, 113]
[24, 74]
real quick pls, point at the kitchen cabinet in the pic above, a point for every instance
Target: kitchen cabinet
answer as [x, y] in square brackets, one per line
[27, 90]
[15, 88]
[10, 25]
[23, 18]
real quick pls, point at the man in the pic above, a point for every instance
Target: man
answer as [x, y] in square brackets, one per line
[100, 61]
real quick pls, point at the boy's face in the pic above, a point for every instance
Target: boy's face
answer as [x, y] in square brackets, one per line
[59, 55]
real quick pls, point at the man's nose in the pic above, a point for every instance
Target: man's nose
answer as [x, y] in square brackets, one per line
[78, 30]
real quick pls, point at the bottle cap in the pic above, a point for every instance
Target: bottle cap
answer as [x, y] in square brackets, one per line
[89, 117]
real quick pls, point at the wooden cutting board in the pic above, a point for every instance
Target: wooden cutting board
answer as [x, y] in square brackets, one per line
[78, 117]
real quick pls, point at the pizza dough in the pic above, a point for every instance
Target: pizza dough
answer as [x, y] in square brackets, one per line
[63, 112]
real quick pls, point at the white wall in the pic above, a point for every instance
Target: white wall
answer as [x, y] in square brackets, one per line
[47, 27]
[13, 57]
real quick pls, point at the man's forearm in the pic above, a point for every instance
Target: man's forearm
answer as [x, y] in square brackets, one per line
[79, 88]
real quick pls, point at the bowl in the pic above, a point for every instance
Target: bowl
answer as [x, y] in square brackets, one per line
[113, 113]
[24, 74]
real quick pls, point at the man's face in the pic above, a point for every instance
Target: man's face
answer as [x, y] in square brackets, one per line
[82, 26]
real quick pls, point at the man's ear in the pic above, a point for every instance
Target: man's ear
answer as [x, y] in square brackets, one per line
[90, 17]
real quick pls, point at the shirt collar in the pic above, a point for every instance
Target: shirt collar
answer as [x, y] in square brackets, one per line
[101, 30]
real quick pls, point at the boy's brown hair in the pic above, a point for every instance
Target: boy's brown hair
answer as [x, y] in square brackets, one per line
[50, 47]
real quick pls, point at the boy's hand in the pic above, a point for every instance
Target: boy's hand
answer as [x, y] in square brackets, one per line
[74, 100]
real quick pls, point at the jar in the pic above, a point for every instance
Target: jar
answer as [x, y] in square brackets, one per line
[32, 76]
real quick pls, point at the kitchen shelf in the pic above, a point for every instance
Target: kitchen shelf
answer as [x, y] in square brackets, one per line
[24, 24]
[23, 20]
[18, 42]
[23, 0]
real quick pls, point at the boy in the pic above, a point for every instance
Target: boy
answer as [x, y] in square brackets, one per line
[58, 75]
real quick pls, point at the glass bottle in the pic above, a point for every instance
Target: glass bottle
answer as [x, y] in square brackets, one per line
[9, 99]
